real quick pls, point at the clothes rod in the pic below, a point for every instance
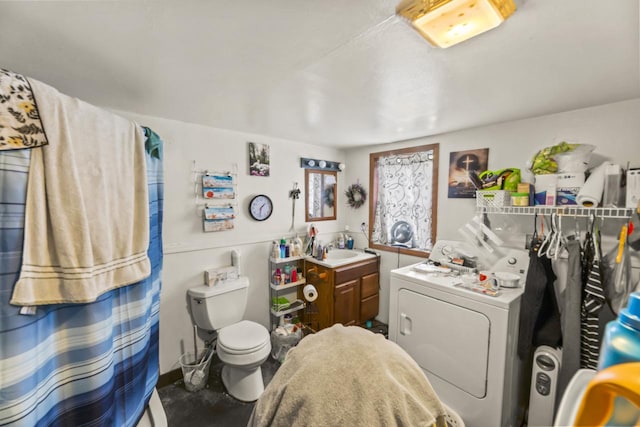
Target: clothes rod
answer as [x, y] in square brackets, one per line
[569, 211]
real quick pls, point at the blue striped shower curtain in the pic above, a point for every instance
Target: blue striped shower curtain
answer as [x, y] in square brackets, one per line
[76, 364]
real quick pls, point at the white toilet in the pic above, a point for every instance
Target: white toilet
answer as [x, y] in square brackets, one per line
[242, 345]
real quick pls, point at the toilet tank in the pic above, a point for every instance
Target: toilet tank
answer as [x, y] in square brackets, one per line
[214, 307]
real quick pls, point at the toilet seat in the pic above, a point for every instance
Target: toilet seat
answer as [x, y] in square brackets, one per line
[243, 337]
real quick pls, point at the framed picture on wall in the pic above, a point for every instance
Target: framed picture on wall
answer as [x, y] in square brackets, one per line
[258, 159]
[461, 163]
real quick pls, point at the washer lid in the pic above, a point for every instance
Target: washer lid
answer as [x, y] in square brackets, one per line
[243, 336]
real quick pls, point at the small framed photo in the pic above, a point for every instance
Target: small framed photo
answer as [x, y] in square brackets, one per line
[258, 159]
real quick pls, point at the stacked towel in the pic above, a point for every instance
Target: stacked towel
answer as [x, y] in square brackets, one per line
[87, 217]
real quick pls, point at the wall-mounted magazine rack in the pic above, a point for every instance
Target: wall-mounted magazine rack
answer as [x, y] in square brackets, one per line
[218, 190]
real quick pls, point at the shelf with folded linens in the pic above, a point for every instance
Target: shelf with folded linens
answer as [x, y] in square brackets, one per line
[567, 210]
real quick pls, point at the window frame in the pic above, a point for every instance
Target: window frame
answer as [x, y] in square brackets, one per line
[373, 190]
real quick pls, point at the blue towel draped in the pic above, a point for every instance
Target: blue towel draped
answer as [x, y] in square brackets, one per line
[76, 364]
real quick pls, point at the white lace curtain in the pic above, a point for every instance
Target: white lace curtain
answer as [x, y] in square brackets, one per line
[403, 214]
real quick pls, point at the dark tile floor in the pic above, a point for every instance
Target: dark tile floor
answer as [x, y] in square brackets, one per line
[213, 406]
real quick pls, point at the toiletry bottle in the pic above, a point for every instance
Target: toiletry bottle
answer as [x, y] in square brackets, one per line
[297, 243]
[551, 195]
[283, 243]
[294, 274]
[341, 242]
[275, 250]
[349, 242]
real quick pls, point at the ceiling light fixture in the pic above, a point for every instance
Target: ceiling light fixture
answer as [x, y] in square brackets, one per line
[317, 164]
[447, 22]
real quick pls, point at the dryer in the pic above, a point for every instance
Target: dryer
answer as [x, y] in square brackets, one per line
[464, 341]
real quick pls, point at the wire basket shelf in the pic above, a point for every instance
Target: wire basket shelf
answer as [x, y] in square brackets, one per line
[572, 211]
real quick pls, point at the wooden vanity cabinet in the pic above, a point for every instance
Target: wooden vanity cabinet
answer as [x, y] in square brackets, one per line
[346, 303]
[348, 294]
[369, 296]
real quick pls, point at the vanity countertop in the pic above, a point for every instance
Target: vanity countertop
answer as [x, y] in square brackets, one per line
[340, 257]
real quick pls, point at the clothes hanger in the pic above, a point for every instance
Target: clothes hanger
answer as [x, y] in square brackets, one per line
[559, 241]
[595, 238]
[544, 246]
[577, 227]
[555, 241]
[551, 246]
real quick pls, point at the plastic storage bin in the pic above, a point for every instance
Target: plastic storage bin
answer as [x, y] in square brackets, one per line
[493, 198]
[601, 398]
[452, 418]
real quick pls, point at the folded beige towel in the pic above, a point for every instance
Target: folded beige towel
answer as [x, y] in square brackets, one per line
[87, 214]
[348, 376]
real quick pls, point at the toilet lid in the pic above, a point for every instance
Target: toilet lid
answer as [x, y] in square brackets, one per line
[243, 337]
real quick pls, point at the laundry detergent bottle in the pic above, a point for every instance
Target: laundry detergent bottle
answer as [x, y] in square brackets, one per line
[612, 398]
[621, 341]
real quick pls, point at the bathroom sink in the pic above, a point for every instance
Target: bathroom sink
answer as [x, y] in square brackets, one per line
[341, 254]
[339, 257]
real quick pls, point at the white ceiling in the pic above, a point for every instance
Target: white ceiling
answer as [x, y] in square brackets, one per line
[339, 73]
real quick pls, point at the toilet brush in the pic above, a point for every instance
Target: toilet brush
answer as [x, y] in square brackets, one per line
[195, 344]
[195, 376]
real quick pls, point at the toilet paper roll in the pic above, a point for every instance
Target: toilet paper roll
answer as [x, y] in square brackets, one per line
[310, 293]
[590, 194]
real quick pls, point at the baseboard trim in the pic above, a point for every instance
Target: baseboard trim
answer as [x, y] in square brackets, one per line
[169, 378]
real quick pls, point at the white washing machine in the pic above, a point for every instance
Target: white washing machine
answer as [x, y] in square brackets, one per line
[465, 342]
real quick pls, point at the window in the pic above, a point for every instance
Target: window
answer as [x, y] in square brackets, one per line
[404, 199]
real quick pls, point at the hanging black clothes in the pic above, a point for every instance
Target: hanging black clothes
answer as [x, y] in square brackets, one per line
[539, 322]
[590, 330]
[593, 301]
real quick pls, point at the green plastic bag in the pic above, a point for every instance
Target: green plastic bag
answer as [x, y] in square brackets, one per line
[503, 179]
[544, 163]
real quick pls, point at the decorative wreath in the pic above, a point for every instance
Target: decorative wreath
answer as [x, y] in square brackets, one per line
[356, 195]
[327, 196]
